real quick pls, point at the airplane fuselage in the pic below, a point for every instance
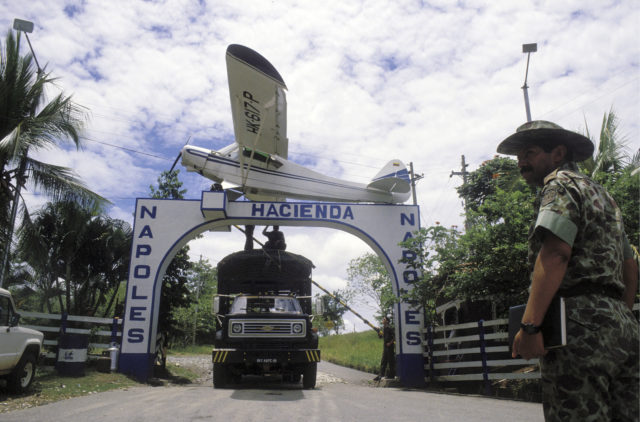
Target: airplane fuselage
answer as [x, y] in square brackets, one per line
[277, 178]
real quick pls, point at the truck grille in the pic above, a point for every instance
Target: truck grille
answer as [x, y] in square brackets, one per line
[261, 328]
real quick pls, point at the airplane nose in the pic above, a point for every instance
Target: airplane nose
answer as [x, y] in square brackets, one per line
[193, 158]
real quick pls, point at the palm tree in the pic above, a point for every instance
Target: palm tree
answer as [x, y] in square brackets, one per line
[617, 171]
[75, 254]
[611, 156]
[29, 123]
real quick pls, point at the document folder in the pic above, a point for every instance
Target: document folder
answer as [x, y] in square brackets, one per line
[554, 326]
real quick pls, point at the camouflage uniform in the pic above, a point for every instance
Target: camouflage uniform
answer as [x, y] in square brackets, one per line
[595, 377]
[388, 353]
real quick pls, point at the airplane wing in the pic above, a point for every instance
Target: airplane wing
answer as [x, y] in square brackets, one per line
[258, 103]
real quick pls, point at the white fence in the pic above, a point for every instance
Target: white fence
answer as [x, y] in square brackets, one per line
[475, 351]
[107, 330]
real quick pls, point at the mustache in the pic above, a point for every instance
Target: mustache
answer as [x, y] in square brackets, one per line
[526, 168]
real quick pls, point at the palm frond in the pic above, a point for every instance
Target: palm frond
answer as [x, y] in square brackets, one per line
[611, 152]
[61, 184]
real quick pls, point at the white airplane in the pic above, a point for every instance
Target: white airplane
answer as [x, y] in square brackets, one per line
[257, 161]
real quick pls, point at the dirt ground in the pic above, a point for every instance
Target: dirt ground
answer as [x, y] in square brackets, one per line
[200, 364]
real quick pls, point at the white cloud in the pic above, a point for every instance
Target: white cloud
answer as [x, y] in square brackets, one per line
[368, 81]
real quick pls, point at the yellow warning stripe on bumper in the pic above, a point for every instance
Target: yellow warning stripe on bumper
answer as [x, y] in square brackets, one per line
[313, 355]
[219, 356]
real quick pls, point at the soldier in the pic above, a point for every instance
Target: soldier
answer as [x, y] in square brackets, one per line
[388, 351]
[276, 238]
[248, 237]
[577, 249]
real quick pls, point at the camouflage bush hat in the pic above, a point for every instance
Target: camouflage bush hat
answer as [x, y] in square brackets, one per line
[541, 132]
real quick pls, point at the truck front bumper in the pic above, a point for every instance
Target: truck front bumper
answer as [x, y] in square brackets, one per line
[265, 356]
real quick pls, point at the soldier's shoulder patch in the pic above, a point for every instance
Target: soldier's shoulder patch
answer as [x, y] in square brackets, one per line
[549, 195]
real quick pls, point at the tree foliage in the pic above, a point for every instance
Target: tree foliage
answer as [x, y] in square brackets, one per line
[625, 190]
[489, 259]
[370, 284]
[616, 169]
[74, 255]
[196, 323]
[429, 247]
[498, 173]
[611, 155]
[331, 318]
[29, 123]
[168, 186]
[175, 283]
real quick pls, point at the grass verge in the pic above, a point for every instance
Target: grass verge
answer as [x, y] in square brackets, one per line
[50, 387]
[198, 349]
[361, 351]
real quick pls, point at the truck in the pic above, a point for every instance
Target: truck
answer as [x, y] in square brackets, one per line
[264, 318]
[20, 347]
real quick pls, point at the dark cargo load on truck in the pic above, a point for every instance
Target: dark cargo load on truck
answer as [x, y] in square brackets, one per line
[259, 271]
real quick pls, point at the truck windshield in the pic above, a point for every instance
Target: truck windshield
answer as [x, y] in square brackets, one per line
[259, 305]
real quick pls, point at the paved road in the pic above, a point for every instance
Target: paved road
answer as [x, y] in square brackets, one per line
[341, 395]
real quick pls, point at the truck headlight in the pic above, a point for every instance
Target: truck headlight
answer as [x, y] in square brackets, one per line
[297, 328]
[236, 328]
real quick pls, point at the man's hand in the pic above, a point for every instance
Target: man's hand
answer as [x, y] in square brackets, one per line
[529, 346]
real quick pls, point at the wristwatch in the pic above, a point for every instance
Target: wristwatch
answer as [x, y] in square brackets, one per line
[530, 328]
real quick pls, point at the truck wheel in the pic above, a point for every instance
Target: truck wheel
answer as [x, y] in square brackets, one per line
[23, 374]
[309, 376]
[220, 375]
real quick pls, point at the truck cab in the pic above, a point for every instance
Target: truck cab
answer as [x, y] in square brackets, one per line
[263, 311]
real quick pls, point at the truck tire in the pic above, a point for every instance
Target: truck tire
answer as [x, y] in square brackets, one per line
[309, 376]
[23, 374]
[220, 376]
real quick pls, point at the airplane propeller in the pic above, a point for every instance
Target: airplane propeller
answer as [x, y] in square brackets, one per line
[179, 155]
[175, 162]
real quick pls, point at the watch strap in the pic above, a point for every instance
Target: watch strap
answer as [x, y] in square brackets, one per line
[530, 328]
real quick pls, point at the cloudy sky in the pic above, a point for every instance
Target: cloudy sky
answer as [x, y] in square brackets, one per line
[423, 81]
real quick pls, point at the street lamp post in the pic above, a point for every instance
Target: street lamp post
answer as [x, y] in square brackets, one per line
[527, 48]
[26, 27]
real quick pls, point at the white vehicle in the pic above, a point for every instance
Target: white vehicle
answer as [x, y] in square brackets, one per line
[257, 161]
[19, 347]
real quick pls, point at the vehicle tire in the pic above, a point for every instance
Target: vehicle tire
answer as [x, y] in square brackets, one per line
[296, 377]
[309, 376]
[23, 374]
[220, 375]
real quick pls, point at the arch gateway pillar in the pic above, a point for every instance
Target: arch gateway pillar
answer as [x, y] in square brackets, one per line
[162, 227]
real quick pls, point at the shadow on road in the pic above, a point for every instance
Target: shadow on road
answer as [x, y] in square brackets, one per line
[266, 388]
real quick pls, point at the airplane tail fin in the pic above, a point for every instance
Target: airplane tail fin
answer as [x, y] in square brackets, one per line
[394, 177]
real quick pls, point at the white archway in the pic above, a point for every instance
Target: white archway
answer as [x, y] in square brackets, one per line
[162, 227]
